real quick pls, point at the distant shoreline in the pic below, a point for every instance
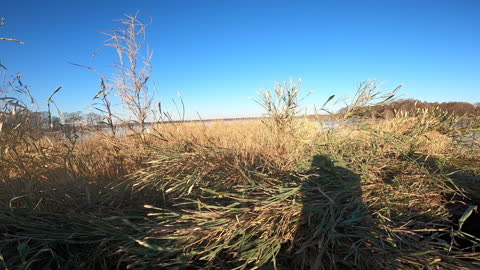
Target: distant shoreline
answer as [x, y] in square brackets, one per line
[309, 117]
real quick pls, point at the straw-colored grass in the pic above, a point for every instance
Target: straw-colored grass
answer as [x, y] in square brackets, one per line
[279, 194]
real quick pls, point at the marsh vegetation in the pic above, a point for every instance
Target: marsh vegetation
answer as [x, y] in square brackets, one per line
[277, 193]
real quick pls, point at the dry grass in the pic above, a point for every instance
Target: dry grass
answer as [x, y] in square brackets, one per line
[384, 194]
[249, 140]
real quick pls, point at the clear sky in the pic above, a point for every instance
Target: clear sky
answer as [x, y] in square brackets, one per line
[219, 54]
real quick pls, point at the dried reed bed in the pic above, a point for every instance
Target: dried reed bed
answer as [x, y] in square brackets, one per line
[378, 194]
[380, 187]
[247, 139]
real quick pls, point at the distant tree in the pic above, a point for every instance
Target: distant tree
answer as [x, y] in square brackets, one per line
[477, 107]
[39, 120]
[73, 118]
[93, 119]
[388, 113]
[412, 105]
[56, 123]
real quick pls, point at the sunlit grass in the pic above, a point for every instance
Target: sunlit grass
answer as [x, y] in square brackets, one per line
[277, 193]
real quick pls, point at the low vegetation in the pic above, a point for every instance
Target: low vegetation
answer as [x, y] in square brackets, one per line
[279, 193]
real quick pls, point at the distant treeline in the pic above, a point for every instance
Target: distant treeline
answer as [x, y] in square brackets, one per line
[412, 105]
[43, 121]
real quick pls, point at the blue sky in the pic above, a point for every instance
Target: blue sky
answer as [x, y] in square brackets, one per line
[219, 54]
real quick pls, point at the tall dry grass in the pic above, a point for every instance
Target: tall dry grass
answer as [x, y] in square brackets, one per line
[376, 194]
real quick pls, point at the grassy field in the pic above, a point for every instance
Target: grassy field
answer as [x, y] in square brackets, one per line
[280, 193]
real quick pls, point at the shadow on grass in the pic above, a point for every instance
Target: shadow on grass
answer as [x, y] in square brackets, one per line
[336, 230]
[339, 231]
